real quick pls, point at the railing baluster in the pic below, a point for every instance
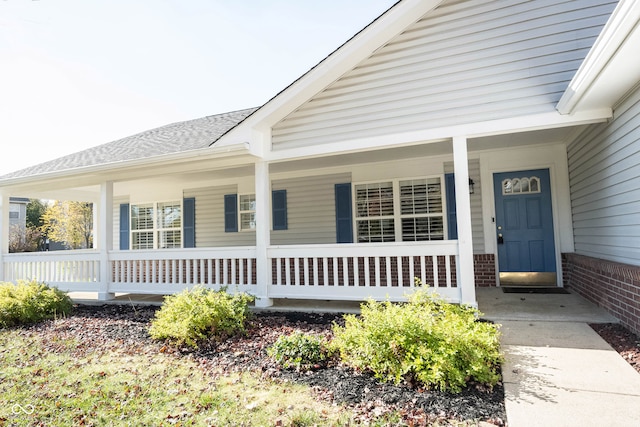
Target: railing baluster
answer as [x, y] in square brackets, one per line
[356, 272]
[434, 258]
[315, 272]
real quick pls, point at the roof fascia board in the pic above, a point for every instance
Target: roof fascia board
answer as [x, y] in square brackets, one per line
[346, 57]
[622, 22]
[473, 130]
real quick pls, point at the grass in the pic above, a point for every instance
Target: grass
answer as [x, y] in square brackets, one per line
[46, 383]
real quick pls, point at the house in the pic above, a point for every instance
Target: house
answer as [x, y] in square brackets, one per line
[465, 143]
[18, 212]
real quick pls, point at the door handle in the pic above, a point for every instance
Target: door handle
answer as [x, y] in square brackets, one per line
[500, 239]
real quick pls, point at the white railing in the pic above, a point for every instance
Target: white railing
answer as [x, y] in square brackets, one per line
[170, 270]
[328, 272]
[357, 272]
[67, 270]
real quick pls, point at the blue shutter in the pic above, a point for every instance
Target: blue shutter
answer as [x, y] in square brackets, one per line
[189, 222]
[279, 209]
[230, 213]
[124, 226]
[452, 219]
[344, 222]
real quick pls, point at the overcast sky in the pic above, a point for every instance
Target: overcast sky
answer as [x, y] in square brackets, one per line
[79, 73]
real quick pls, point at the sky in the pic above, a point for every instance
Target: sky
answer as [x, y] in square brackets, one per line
[78, 73]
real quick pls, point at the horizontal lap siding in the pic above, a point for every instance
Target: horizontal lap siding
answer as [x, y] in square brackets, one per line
[604, 171]
[467, 61]
[311, 213]
[210, 219]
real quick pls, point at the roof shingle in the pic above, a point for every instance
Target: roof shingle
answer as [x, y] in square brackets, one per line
[169, 139]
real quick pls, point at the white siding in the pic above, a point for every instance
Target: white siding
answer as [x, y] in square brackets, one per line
[210, 219]
[604, 172]
[476, 204]
[467, 61]
[311, 211]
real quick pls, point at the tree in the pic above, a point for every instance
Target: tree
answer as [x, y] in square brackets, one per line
[35, 210]
[69, 222]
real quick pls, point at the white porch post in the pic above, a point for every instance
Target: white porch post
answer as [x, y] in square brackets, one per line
[263, 233]
[4, 234]
[103, 241]
[466, 277]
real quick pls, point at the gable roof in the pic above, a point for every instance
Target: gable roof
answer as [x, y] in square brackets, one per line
[169, 139]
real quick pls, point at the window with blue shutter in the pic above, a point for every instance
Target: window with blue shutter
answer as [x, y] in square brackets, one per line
[230, 213]
[124, 226]
[452, 219]
[189, 222]
[279, 209]
[344, 221]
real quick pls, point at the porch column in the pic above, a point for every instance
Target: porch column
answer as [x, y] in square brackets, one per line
[466, 276]
[263, 233]
[104, 239]
[4, 234]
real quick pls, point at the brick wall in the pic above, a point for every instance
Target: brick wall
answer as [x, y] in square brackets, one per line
[611, 285]
[484, 266]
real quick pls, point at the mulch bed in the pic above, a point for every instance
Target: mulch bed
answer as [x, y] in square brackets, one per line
[124, 328]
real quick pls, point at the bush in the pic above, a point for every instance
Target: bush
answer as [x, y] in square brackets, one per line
[31, 302]
[299, 351]
[426, 341]
[198, 314]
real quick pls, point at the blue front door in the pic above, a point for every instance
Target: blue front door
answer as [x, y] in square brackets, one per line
[524, 227]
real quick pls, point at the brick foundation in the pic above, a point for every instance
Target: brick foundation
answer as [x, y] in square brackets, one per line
[611, 285]
[484, 266]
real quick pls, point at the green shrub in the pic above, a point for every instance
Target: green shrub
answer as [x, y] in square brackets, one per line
[425, 340]
[300, 351]
[198, 314]
[31, 302]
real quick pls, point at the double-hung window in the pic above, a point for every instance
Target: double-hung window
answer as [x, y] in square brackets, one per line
[399, 210]
[375, 220]
[156, 225]
[421, 210]
[247, 212]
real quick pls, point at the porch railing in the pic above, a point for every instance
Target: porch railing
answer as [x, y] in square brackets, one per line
[77, 270]
[171, 270]
[338, 272]
[356, 272]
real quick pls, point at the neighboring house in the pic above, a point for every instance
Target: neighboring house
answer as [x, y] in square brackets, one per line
[342, 185]
[18, 212]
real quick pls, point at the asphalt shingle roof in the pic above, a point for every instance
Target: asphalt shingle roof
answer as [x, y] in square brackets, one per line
[169, 139]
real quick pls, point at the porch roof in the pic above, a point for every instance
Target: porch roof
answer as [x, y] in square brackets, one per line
[169, 139]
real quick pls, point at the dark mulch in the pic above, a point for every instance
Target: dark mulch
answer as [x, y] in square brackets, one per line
[109, 327]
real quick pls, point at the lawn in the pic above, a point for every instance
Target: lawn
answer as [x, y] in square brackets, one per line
[46, 382]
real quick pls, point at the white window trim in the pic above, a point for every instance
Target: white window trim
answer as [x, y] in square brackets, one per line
[156, 223]
[397, 215]
[240, 212]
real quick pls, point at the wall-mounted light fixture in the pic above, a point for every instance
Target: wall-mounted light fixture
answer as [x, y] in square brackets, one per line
[471, 185]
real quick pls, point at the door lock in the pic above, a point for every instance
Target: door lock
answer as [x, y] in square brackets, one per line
[500, 239]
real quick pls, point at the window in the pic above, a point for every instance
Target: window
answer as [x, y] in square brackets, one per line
[405, 210]
[247, 212]
[421, 210]
[521, 186]
[374, 212]
[156, 225]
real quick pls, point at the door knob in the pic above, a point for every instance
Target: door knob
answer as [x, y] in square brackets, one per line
[500, 239]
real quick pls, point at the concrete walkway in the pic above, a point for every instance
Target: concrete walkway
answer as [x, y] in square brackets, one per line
[558, 371]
